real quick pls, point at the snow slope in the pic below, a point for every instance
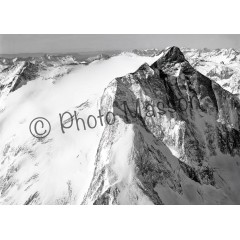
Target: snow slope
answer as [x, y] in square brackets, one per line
[57, 169]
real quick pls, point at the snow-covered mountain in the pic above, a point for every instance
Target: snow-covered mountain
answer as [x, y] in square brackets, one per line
[165, 131]
[221, 65]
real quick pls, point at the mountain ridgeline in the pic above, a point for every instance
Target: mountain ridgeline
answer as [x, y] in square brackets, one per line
[174, 136]
[207, 131]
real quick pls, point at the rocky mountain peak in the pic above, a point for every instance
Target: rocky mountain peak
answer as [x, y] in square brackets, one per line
[171, 60]
[171, 135]
[173, 54]
[178, 123]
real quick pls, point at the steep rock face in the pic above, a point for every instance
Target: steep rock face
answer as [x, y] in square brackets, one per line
[172, 127]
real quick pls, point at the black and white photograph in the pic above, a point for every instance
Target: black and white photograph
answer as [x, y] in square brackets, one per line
[120, 126]
[114, 104]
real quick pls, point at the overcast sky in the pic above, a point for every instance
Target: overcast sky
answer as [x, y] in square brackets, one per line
[31, 43]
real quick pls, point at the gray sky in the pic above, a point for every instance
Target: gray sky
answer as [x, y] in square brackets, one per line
[40, 43]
